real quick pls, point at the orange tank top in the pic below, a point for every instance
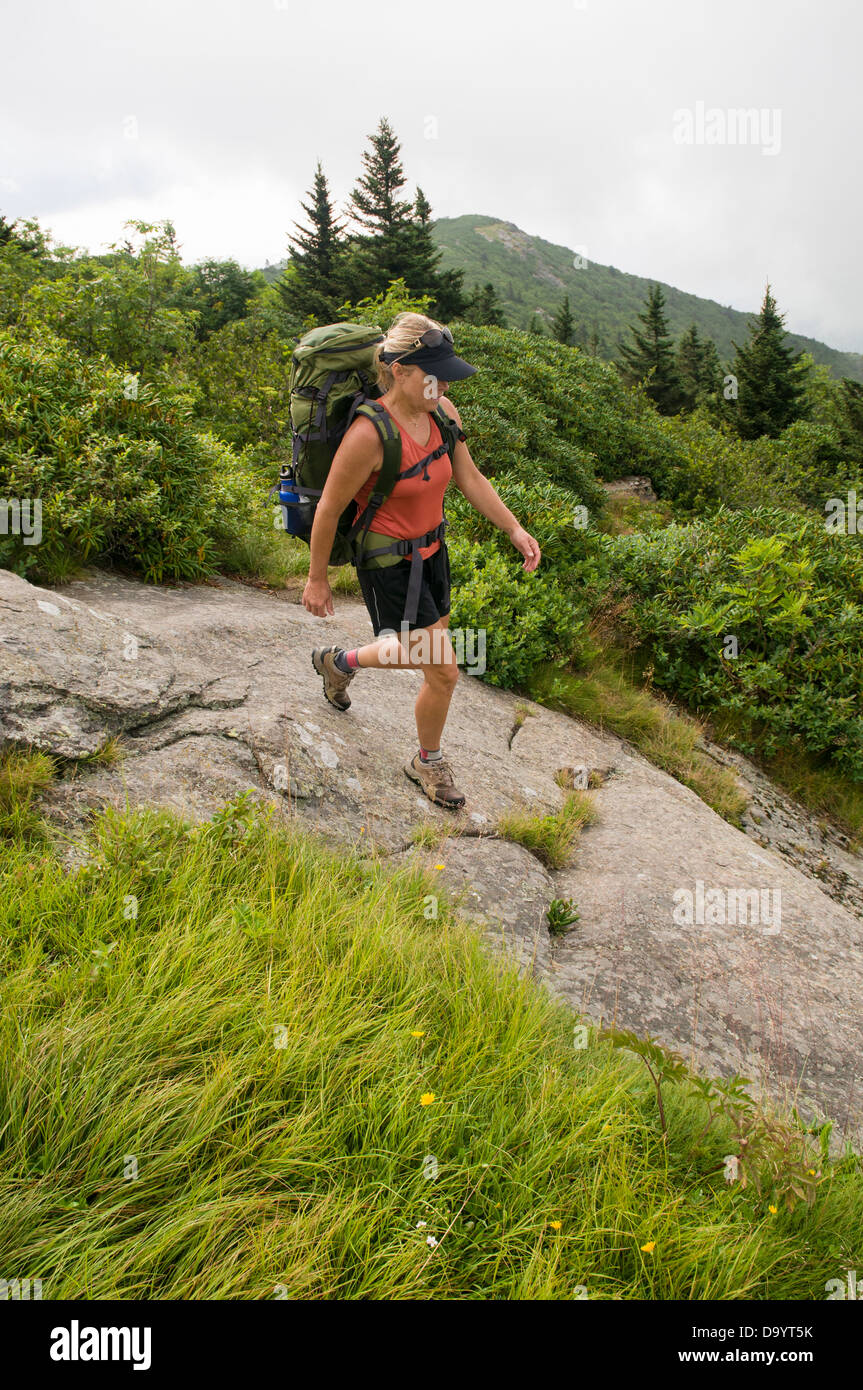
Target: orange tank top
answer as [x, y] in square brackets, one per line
[415, 505]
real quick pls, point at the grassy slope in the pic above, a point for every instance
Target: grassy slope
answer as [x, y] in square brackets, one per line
[537, 273]
[255, 1021]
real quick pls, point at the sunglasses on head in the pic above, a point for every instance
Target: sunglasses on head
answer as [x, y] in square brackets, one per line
[433, 337]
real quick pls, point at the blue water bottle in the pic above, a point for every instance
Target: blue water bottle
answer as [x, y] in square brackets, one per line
[290, 501]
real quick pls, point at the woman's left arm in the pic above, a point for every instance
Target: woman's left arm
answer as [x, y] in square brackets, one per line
[481, 495]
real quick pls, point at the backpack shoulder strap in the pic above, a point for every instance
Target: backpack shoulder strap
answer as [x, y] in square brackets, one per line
[451, 430]
[391, 441]
[392, 446]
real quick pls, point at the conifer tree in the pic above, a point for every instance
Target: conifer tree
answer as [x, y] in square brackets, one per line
[422, 275]
[396, 241]
[770, 389]
[653, 351]
[7, 231]
[311, 283]
[711, 368]
[483, 307]
[380, 252]
[689, 365]
[563, 322]
[698, 367]
[535, 326]
[850, 404]
[375, 202]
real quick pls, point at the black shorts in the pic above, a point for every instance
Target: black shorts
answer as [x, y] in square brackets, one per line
[385, 592]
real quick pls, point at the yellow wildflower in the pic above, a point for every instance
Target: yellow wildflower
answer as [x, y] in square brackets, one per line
[555, 1225]
[426, 1098]
[773, 1210]
[651, 1245]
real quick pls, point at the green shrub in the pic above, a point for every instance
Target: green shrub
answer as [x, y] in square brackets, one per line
[527, 618]
[711, 466]
[553, 409]
[122, 477]
[791, 595]
[813, 465]
[243, 372]
[122, 304]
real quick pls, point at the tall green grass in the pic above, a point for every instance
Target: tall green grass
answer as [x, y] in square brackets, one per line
[604, 695]
[550, 837]
[235, 1064]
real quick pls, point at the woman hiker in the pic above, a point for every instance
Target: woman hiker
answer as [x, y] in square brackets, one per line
[414, 365]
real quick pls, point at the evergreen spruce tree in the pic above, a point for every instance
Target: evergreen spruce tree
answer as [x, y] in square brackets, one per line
[711, 369]
[770, 390]
[689, 351]
[563, 323]
[535, 326]
[311, 283]
[385, 250]
[422, 209]
[593, 342]
[698, 367]
[7, 231]
[850, 406]
[375, 202]
[396, 241]
[483, 307]
[422, 275]
[653, 349]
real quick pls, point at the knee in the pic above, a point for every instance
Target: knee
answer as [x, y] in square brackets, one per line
[444, 675]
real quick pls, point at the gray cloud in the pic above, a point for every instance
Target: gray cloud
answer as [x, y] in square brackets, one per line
[553, 116]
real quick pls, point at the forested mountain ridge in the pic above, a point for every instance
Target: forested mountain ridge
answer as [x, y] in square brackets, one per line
[531, 276]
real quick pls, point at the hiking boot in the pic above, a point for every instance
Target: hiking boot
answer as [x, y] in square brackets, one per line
[435, 778]
[336, 682]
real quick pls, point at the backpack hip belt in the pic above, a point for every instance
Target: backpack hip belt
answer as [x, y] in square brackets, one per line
[409, 547]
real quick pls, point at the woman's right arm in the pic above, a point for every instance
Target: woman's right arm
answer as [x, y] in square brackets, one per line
[358, 456]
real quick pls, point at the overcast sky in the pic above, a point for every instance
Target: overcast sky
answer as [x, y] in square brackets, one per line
[568, 117]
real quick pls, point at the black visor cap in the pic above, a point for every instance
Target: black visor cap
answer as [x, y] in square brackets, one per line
[440, 361]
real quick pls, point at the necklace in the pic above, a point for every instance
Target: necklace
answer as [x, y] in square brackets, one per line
[413, 424]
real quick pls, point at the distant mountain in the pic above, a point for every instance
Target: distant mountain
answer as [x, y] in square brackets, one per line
[532, 276]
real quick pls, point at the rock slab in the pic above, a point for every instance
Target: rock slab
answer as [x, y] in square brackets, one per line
[210, 690]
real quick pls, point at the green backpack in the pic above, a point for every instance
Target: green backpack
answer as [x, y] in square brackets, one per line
[332, 381]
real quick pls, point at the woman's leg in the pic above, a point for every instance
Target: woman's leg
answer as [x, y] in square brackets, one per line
[430, 650]
[441, 674]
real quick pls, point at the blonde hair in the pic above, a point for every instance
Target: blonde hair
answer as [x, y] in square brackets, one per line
[403, 330]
